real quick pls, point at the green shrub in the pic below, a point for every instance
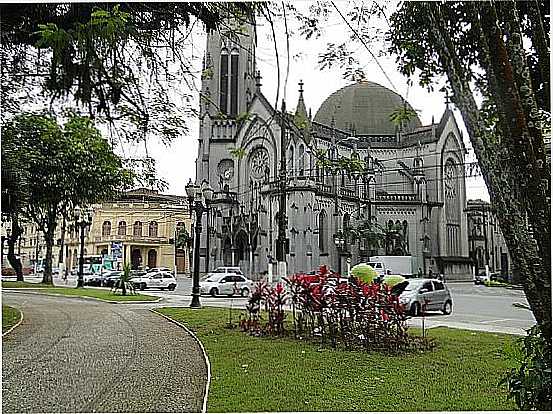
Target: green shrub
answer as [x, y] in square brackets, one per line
[530, 383]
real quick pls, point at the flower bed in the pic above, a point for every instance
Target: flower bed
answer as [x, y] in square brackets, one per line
[335, 311]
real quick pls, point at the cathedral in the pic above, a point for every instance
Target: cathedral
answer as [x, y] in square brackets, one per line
[411, 187]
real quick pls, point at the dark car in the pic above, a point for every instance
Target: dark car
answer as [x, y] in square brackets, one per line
[110, 278]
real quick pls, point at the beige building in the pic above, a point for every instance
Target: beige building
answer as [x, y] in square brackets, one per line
[139, 228]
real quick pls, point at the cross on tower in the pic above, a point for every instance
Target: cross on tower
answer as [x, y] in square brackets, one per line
[301, 86]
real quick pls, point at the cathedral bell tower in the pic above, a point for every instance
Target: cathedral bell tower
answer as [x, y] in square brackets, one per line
[228, 76]
[228, 86]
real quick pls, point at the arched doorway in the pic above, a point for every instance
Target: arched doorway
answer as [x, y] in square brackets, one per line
[136, 259]
[181, 260]
[227, 253]
[152, 258]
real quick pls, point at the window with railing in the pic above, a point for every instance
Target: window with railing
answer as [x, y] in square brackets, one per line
[152, 231]
[122, 228]
[137, 228]
[106, 228]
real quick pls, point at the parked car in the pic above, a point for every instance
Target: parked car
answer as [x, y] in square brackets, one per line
[137, 273]
[225, 269]
[159, 269]
[426, 294]
[481, 278]
[159, 280]
[109, 278]
[226, 284]
[88, 278]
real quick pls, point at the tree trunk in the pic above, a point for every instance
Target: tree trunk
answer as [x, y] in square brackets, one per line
[13, 260]
[501, 172]
[49, 240]
[62, 238]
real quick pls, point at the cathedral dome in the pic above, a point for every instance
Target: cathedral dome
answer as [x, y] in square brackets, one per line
[366, 106]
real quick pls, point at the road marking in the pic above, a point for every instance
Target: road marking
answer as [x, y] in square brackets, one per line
[497, 320]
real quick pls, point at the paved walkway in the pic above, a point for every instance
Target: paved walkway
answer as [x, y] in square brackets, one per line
[73, 355]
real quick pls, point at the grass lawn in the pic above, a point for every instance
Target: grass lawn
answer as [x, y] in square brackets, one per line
[85, 292]
[10, 316]
[268, 374]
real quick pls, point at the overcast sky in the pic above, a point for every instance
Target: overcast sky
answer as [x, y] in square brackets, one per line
[176, 163]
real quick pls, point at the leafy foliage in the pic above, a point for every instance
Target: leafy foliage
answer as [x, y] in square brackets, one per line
[124, 63]
[530, 383]
[64, 166]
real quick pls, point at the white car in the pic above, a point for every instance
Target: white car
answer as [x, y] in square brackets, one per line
[225, 284]
[157, 280]
[225, 269]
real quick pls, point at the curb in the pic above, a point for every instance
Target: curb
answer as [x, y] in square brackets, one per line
[206, 358]
[16, 325]
[34, 291]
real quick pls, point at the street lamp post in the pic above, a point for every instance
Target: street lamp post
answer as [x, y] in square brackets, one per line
[340, 242]
[83, 219]
[198, 201]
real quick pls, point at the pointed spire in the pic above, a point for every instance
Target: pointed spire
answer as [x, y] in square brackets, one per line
[301, 111]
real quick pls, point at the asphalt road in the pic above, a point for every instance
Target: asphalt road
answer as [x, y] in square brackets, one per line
[73, 355]
[475, 307]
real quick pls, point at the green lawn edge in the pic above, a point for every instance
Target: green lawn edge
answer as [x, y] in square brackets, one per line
[252, 374]
[86, 292]
[10, 317]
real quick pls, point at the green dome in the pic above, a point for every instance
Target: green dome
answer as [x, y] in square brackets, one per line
[365, 105]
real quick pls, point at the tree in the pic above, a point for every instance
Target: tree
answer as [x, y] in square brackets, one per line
[500, 51]
[14, 197]
[64, 166]
[125, 63]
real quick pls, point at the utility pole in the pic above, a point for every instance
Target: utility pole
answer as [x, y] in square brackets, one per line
[281, 244]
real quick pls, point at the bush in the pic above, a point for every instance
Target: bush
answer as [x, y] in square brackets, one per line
[351, 313]
[8, 271]
[530, 383]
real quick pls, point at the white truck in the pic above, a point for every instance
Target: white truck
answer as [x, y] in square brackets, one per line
[395, 265]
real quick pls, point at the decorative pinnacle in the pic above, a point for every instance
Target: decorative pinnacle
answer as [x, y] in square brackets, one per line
[301, 86]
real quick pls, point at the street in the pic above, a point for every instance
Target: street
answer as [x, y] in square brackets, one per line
[475, 307]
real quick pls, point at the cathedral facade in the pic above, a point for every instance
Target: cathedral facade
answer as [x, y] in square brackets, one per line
[411, 187]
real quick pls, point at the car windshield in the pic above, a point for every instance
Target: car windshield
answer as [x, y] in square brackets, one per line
[213, 278]
[413, 285]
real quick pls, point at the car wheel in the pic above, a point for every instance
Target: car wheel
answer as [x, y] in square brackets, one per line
[446, 310]
[416, 309]
[214, 292]
[142, 286]
[172, 286]
[244, 292]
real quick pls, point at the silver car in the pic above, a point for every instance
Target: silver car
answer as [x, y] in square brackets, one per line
[426, 295]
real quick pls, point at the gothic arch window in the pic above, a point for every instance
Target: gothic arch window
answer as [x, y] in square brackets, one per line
[152, 229]
[405, 234]
[106, 228]
[301, 160]
[223, 87]
[137, 228]
[122, 228]
[291, 159]
[323, 232]
[234, 83]
[452, 207]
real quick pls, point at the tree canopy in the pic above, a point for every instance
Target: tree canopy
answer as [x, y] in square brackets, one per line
[63, 166]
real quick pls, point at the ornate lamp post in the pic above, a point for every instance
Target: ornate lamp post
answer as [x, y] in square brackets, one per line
[198, 201]
[83, 219]
[339, 242]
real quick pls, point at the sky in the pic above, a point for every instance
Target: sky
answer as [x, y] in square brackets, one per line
[176, 163]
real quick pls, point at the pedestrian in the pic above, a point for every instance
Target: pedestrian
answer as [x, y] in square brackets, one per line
[419, 274]
[430, 274]
[64, 277]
